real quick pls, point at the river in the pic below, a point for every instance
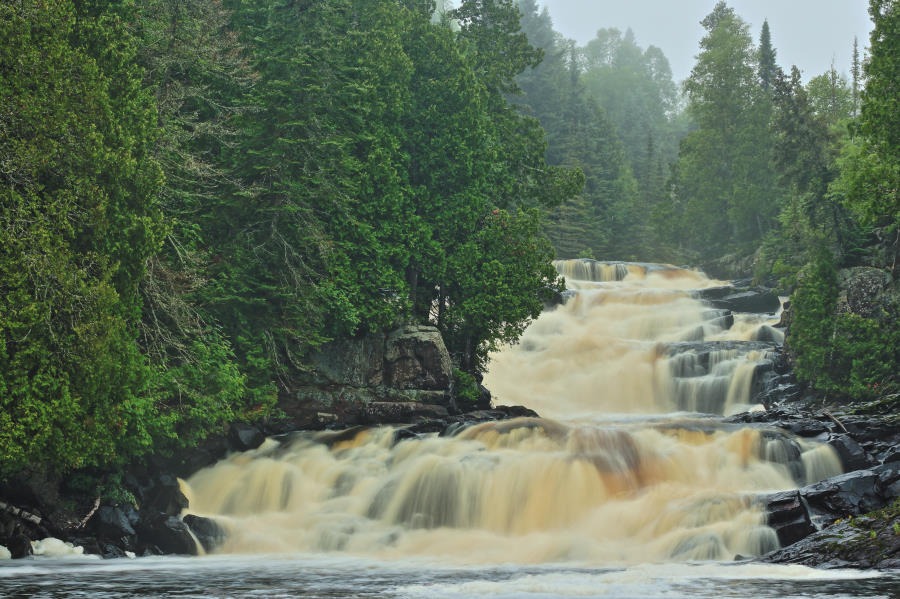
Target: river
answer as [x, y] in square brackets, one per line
[630, 485]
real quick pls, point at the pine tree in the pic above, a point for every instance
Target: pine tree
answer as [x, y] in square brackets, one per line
[767, 61]
[855, 75]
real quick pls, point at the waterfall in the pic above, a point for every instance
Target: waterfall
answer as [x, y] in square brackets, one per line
[630, 461]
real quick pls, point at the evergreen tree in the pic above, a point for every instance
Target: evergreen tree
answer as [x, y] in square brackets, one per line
[870, 166]
[725, 196]
[855, 74]
[78, 220]
[767, 61]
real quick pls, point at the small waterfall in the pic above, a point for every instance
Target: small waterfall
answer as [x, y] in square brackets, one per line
[628, 463]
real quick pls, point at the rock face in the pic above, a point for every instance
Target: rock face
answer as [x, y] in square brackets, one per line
[861, 542]
[395, 377]
[850, 520]
[740, 299]
[864, 291]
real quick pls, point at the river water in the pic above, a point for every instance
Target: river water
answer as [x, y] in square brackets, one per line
[332, 576]
[630, 485]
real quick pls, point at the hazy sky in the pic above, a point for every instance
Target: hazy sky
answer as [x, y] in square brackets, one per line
[806, 33]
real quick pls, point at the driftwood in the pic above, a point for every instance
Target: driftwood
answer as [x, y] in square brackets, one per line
[836, 421]
[84, 521]
[20, 513]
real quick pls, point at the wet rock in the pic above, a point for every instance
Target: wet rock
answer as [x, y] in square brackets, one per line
[787, 515]
[853, 456]
[702, 349]
[767, 334]
[853, 493]
[720, 318]
[243, 437]
[711, 294]
[889, 480]
[756, 300]
[401, 412]
[892, 456]
[164, 534]
[207, 531]
[165, 496]
[864, 542]
[19, 546]
[114, 523]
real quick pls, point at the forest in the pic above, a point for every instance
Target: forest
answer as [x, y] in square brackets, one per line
[195, 194]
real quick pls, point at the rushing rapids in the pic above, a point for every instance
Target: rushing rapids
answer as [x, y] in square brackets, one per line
[634, 466]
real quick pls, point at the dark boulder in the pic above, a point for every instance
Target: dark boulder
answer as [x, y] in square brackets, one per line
[416, 358]
[853, 456]
[206, 530]
[244, 437]
[720, 318]
[767, 334]
[164, 534]
[116, 525]
[19, 546]
[853, 493]
[165, 496]
[860, 542]
[757, 300]
[787, 515]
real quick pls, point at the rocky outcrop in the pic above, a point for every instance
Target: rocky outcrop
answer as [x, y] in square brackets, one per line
[870, 541]
[866, 291]
[393, 377]
[850, 520]
[740, 299]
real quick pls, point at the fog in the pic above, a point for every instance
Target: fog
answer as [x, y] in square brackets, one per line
[807, 33]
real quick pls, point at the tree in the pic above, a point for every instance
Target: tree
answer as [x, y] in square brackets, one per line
[855, 74]
[813, 216]
[199, 76]
[724, 194]
[768, 66]
[78, 220]
[870, 167]
[635, 89]
[831, 97]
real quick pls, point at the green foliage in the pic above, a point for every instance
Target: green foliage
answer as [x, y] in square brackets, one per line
[77, 222]
[831, 97]
[812, 328]
[465, 389]
[768, 67]
[838, 352]
[870, 167]
[724, 197]
[499, 280]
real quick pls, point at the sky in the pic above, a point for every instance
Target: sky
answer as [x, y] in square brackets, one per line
[806, 33]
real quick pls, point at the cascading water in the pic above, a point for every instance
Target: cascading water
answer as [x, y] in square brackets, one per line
[634, 465]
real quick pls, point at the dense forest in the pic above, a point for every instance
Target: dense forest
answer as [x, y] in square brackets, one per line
[195, 194]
